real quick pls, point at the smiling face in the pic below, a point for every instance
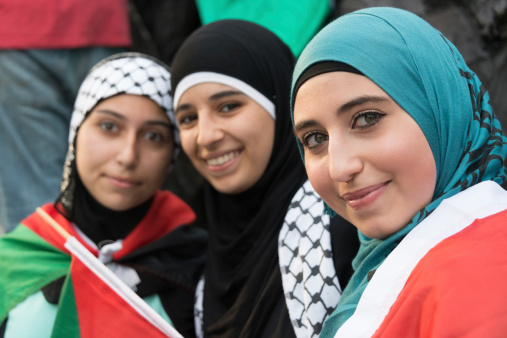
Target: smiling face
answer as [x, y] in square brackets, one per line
[123, 151]
[227, 135]
[364, 154]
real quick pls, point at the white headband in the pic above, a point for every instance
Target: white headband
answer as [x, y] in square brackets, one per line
[202, 77]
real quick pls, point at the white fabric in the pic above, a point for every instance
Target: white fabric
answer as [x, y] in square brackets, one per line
[202, 77]
[33, 317]
[127, 75]
[309, 280]
[450, 217]
[198, 308]
[128, 275]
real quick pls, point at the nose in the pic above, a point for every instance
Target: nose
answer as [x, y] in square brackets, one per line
[209, 131]
[345, 160]
[128, 153]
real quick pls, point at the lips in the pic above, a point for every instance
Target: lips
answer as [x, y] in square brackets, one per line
[123, 182]
[364, 197]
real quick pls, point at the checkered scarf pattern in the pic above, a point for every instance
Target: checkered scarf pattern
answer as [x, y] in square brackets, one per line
[124, 73]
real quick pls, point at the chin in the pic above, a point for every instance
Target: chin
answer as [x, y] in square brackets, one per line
[229, 189]
[120, 205]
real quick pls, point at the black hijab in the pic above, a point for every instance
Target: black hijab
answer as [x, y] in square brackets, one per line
[243, 295]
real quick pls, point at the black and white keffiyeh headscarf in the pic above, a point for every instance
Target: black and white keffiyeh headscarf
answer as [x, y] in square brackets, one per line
[124, 73]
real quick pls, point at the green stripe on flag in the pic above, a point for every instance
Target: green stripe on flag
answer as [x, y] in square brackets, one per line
[27, 263]
[67, 321]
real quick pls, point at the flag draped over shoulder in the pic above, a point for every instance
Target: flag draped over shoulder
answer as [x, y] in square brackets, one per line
[94, 301]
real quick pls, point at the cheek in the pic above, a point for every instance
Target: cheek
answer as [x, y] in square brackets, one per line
[258, 138]
[155, 165]
[188, 142]
[413, 167]
[85, 151]
[318, 174]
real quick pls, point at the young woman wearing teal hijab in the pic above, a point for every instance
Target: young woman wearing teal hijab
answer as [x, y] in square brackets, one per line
[398, 137]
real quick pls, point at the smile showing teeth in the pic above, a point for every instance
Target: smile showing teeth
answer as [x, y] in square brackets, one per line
[222, 159]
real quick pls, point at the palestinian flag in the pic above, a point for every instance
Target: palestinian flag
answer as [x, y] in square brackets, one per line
[94, 302]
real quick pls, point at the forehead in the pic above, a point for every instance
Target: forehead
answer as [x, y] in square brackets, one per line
[333, 88]
[204, 90]
[132, 105]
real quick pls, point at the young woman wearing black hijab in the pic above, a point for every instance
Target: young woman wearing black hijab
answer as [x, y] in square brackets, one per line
[270, 270]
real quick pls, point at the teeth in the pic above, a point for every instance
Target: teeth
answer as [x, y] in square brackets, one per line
[222, 159]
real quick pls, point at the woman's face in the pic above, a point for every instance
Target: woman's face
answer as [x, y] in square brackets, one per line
[364, 154]
[227, 135]
[123, 151]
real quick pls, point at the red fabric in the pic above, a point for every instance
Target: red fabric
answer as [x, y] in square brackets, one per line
[166, 213]
[38, 24]
[459, 289]
[95, 314]
[37, 224]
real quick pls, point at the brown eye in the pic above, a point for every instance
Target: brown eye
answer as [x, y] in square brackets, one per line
[108, 126]
[314, 139]
[229, 107]
[366, 119]
[187, 119]
[154, 136]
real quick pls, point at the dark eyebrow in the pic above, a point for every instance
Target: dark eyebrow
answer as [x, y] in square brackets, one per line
[344, 108]
[303, 125]
[223, 94]
[159, 123]
[360, 100]
[110, 112]
[121, 117]
[184, 106]
[214, 97]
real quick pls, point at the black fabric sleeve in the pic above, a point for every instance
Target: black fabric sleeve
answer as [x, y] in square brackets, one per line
[2, 327]
[179, 306]
[345, 245]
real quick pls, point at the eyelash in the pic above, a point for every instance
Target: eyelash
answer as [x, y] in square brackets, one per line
[306, 137]
[154, 136]
[378, 116]
[230, 106]
[108, 126]
[187, 119]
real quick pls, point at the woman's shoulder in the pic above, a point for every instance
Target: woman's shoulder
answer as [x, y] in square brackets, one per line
[465, 271]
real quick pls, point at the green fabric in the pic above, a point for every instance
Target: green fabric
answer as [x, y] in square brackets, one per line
[426, 75]
[44, 315]
[67, 322]
[27, 263]
[295, 22]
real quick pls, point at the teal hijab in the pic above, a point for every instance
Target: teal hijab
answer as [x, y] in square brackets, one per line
[427, 76]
